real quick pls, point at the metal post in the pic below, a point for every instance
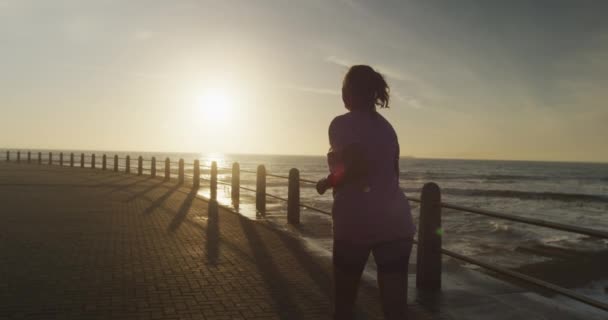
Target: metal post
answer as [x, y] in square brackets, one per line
[29, 157]
[8, 155]
[236, 184]
[39, 157]
[61, 159]
[428, 267]
[293, 197]
[153, 167]
[93, 162]
[180, 171]
[82, 160]
[140, 166]
[260, 190]
[213, 182]
[72, 159]
[115, 163]
[196, 180]
[104, 162]
[128, 164]
[167, 169]
[18, 156]
[50, 158]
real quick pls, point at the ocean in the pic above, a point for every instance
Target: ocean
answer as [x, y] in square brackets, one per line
[570, 193]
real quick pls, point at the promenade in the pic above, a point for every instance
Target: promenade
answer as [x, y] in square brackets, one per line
[90, 244]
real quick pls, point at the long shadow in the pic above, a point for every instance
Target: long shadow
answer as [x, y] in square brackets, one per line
[276, 282]
[128, 185]
[278, 286]
[143, 192]
[71, 185]
[160, 200]
[212, 245]
[212, 230]
[102, 178]
[316, 272]
[182, 212]
[111, 180]
[214, 239]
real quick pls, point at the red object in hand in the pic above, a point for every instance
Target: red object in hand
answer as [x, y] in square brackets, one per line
[334, 179]
[336, 167]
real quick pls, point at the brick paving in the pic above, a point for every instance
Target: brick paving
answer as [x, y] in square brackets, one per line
[87, 244]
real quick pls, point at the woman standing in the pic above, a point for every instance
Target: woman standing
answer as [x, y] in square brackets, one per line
[370, 212]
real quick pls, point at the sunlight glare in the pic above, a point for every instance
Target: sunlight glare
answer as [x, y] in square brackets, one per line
[215, 105]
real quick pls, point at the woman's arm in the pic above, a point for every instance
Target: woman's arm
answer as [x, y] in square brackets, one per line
[351, 166]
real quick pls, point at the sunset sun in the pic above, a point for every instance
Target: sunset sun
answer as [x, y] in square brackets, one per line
[215, 105]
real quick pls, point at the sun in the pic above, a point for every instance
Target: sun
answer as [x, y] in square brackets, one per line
[215, 105]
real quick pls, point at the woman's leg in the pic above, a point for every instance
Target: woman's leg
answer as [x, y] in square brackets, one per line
[392, 259]
[349, 261]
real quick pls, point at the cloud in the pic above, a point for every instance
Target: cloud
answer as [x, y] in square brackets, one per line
[408, 100]
[312, 90]
[339, 61]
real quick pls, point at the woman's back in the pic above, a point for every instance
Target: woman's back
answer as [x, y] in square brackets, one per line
[375, 209]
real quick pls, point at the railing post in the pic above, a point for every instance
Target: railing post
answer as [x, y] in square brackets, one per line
[128, 164]
[140, 166]
[93, 162]
[29, 157]
[104, 162]
[180, 171]
[153, 167]
[196, 172]
[167, 169]
[61, 159]
[71, 159]
[428, 267]
[115, 163]
[82, 160]
[260, 190]
[18, 156]
[39, 157]
[8, 155]
[213, 182]
[50, 158]
[293, 197]
[236, 184]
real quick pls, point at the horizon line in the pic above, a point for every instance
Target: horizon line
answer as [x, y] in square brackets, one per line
[4, 149]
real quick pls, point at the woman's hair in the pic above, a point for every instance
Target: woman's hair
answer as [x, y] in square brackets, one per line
[366, 88]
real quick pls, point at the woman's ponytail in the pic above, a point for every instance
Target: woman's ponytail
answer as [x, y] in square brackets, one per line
[382, 91]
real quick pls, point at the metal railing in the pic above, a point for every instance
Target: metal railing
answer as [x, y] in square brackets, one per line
[428, 276]
[429, 261]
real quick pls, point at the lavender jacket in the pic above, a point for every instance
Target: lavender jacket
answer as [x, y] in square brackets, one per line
[375, 210]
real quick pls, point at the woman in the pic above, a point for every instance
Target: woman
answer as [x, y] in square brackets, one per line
[370, 212]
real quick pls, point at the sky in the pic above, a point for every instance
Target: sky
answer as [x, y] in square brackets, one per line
[513, 80]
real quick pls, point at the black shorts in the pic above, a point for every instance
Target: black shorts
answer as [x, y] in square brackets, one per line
[390, 256]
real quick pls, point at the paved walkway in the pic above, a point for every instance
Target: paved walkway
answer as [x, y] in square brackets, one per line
[86, 244]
